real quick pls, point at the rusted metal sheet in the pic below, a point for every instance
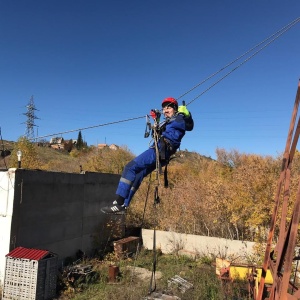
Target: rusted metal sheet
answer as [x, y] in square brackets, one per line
[127, 246]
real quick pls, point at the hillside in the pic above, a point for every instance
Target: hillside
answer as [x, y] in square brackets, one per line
[62, 161]
[49, 158]
[228, 198]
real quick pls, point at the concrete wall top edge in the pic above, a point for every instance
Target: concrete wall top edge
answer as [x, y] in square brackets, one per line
[87, 177]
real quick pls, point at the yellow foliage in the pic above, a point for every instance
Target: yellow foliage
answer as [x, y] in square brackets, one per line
[107, 160]
[231, 197]
[29, 159]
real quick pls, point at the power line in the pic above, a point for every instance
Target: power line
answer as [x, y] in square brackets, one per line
[283, 29]
[89, 127]
[271, 39]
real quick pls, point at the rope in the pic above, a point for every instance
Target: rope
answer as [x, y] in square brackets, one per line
[247, 59]
[152, 286]
[276, 35]
[158, 166]
[89, 127]
[145, 206]
[141, 226]
[284, 29]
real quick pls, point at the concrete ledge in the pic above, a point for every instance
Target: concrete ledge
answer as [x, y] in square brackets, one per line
[196, 245]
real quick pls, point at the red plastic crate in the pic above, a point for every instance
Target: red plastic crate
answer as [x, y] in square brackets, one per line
[26, 278]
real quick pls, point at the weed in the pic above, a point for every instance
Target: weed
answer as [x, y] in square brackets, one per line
[128, 286]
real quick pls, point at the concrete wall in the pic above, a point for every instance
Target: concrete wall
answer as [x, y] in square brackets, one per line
[7, 183]
[59, 212]
[195, 245]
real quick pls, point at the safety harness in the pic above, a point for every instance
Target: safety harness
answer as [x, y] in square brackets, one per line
[164, 151]
[156, 134]
[161, 146]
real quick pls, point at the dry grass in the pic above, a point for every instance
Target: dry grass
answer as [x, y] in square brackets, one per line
[200, 273]
[51, 159]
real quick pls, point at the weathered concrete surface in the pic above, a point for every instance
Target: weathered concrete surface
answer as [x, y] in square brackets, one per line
[142, 273]
[196, 245]
[59, 212]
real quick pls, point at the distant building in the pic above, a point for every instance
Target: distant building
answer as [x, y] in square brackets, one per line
[112, 146]
[57, 143]
[101, 146]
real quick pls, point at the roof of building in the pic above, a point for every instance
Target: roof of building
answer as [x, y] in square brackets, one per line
[33, 254]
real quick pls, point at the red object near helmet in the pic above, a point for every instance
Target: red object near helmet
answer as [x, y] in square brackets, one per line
[170, 102]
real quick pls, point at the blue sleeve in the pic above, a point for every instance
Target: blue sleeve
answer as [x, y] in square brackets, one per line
[175, 131]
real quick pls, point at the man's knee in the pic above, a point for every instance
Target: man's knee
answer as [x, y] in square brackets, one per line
[128, 168]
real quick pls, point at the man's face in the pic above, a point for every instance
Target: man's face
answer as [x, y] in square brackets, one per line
[168, 111]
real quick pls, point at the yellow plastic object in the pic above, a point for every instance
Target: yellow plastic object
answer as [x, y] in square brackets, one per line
[243, 271]
[235, 271]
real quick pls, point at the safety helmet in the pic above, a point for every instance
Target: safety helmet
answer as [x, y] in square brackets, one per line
[170, 102]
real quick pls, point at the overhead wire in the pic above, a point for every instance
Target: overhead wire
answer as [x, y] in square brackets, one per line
[271, 39]
[89, 127]
[286, 27]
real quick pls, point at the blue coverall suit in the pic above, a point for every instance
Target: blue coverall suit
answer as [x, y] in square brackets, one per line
[173, 130]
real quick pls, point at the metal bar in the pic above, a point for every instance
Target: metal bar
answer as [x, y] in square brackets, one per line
[283, 240]
[291, 247]
[284, 235]
[285, 163]
[297, 294]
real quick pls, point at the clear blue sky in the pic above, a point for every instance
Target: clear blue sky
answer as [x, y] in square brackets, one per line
[89, 62]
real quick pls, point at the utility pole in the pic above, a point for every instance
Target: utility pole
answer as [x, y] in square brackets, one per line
[30, 114]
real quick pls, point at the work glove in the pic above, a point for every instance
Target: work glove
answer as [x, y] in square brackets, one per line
[183, 110]
[155, 114]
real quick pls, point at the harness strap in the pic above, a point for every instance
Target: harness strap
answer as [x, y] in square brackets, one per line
[166, 181]
[162, 152]
[165, 146]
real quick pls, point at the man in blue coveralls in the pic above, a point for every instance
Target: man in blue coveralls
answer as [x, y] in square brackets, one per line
[172, 130]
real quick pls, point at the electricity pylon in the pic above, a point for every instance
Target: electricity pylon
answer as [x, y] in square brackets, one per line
[30, 114]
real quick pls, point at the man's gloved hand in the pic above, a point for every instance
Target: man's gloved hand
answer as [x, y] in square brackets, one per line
[183, 110]
[155, 114]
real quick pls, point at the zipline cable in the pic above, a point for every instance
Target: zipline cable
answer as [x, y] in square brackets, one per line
[285, 28]
[242, 63]
[276, 34]
[89, 127]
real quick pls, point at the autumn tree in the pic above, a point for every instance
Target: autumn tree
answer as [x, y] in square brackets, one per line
[230, 197]
[30, 159]
[107, 160]
[68, 146]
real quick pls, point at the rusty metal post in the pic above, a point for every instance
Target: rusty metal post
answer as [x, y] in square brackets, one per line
[113, 273]
[284, 175]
